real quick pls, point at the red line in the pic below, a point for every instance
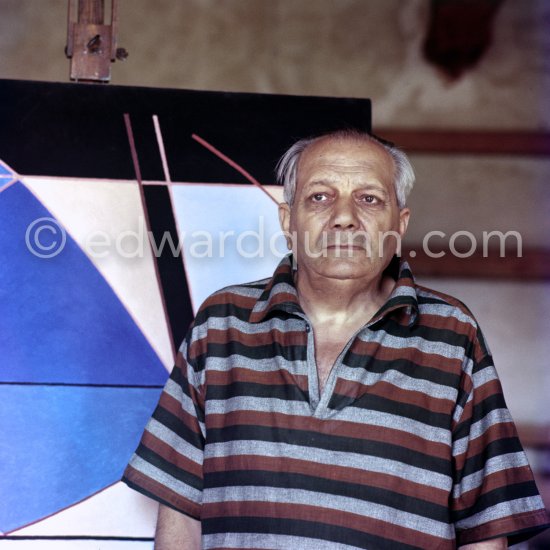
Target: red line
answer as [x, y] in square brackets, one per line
[233, 164]
[148, 225]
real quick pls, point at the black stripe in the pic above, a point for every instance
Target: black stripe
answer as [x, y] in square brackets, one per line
[336, 443]
[491, 403]
[222, 311]
[269, 351]
[405, 366]
[373, 402]
[402, 301]
[173, 423]
[288, 392]
[173, 281]
[495, 448]
[169, 467]
[367, 493]
[482, 409]
[505, 493]
[486, 361]
[179, 378]
[301, 528]
[430, 334]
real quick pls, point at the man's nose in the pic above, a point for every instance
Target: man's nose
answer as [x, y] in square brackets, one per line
[344, 215]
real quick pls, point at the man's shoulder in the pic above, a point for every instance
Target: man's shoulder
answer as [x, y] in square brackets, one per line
[241, 296]
[435, 302]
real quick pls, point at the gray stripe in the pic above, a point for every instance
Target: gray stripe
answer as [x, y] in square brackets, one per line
[174, 441]
[330, 458]
[400, 380]
[413, 342]
[493, 465]
[481, 377]
[496, 416]
[353, 415]
[174, 390]
[447, 311]
[394, 422]
[279, 288]
[246, 289]
[162, 477]
[330, 502]
[284, 325]
[223, 323]
[269, 541]
[256, 365]
[502, 510]
[268, 404]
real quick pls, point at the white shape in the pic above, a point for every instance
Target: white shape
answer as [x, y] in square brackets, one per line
[117, 511]
[103, 211]
[230, 234]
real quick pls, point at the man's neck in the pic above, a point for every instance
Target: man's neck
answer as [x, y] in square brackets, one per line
[342, 302]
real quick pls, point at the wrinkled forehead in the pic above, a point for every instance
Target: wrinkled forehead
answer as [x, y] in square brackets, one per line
[353, 155]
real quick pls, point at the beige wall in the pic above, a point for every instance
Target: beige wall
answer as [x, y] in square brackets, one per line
[356, 48]
[361, 48]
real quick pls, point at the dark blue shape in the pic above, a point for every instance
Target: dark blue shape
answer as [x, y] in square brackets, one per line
[59, 319]
[62, 444]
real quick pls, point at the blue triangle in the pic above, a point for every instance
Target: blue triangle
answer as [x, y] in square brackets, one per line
[59, 319]
[60, 445]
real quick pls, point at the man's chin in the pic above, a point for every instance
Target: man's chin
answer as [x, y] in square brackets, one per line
[346, 268]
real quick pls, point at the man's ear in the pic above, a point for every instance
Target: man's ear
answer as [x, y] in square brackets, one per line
[404, 216]
[284, 217]
[284, 220]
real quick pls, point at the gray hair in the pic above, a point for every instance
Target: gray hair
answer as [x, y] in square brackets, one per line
[287, 167]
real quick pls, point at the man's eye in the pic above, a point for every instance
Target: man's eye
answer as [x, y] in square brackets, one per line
[318, 197]
[370, 199]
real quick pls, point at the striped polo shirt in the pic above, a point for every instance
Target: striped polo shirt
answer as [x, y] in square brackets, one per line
[408, 445]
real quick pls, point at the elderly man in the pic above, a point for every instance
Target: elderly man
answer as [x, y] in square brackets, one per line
[336, 404]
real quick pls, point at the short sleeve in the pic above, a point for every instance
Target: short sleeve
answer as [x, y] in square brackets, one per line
[494, 493]
[167, 465]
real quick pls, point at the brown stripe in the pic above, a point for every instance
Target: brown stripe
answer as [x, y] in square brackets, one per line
[384, 389]
[490, 388]
[445, 322]
[268, 378]
[330, 427]
[493, 481]
[478, 445]
[238, 300]
[170, 404]
[170, 454]
[267, 338]
[163, 493]
[391, 531]
[412, 354]
[333, 472]
[503, 526]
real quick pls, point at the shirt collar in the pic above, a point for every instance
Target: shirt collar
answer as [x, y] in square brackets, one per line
[280, 294]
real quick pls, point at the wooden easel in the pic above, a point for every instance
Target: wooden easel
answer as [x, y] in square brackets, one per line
[92, 44]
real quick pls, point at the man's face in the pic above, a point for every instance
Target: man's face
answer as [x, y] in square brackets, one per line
[345, 203]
